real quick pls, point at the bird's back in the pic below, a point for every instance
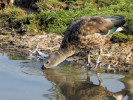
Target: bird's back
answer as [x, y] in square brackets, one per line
[88, 32]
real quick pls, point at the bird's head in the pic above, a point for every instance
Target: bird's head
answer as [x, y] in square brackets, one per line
[53, 60]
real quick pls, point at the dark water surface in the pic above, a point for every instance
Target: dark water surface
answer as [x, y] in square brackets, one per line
[23, 79]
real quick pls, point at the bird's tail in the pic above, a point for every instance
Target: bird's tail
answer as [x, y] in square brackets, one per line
[117, 20]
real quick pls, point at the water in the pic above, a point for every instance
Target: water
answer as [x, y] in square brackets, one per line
[23, 79]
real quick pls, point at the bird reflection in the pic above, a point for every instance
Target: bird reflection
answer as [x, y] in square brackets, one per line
[72, 87]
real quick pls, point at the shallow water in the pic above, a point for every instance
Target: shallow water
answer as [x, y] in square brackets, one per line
[23, 79]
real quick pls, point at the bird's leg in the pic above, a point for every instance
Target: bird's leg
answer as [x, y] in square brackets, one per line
[100, 53]
[89, 60]
[88, 77]
[88, 57]
[99, 79]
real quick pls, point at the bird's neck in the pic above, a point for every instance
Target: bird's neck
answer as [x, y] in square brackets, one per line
[64, 53]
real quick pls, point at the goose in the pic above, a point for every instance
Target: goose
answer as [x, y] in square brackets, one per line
[85, 34]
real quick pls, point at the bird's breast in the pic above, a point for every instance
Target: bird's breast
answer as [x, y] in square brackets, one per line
[92, 41]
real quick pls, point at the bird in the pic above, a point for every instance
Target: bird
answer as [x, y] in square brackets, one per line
[85, 34]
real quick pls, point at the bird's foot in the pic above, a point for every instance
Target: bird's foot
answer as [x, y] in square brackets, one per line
[89, 66]
[92, 66]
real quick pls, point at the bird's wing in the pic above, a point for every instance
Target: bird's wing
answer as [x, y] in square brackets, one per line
[74, 23]
[95, 25]
[80, 28]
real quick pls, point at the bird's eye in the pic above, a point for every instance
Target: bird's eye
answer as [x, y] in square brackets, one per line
[47, 62]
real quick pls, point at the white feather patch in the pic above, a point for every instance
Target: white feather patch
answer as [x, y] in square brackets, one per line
[109, 20]
[97, 33]
[119, 29]
[87, 36]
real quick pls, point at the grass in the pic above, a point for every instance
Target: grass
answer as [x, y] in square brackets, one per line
[54, 16]
[121, 37]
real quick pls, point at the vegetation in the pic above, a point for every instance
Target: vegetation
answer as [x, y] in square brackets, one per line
[55, 15]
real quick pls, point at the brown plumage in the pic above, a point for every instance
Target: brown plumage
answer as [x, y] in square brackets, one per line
[84, 34]
[81, 28]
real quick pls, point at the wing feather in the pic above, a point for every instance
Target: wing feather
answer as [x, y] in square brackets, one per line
[77, 34]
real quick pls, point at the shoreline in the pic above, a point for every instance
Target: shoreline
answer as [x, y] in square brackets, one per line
[48, 43]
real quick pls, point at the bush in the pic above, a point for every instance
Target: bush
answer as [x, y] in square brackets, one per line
[13, 13]
[10, 15]
[56, 22]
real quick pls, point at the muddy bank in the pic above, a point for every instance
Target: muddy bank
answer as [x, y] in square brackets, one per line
[46, 42]
[118, 54]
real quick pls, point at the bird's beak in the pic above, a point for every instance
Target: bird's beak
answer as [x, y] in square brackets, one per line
[43, 67]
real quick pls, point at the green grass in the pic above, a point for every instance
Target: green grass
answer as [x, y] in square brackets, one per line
[54, 16]
[121, 37]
